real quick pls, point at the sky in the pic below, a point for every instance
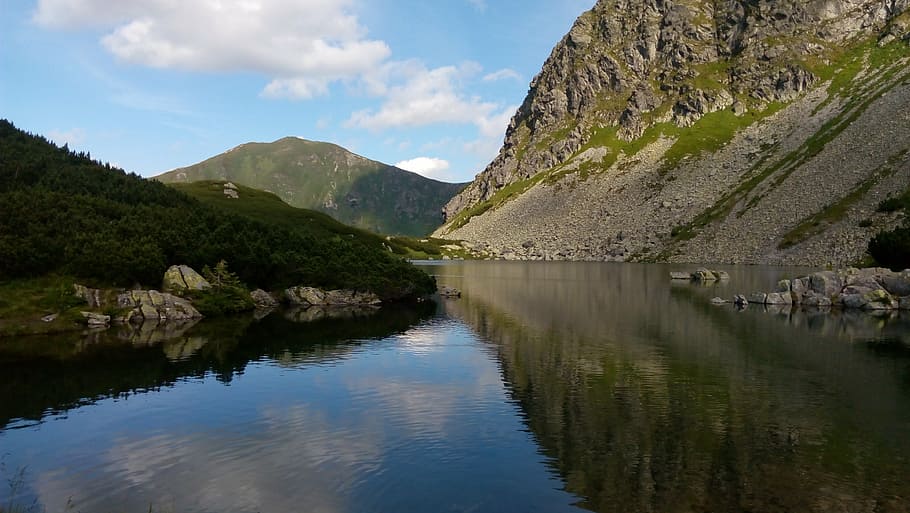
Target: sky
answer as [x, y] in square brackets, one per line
[153, 85]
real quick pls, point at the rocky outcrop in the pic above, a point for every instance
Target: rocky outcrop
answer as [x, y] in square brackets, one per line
[449, 292]
[630, 84]
[310, 296]
[180, 279]
[152, 306]
[871, 289]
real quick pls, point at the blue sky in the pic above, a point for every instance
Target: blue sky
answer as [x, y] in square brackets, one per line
[152, 85]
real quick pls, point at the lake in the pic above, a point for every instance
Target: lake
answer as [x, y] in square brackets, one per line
[546, 387]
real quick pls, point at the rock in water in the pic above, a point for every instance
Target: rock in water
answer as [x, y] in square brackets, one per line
[179, 279]
[263, 299]
[151, 305]
[310, 296]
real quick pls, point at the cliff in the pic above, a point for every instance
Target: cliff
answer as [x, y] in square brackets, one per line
[733, 131]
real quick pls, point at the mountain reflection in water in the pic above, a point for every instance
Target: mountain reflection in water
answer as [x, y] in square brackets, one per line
[546, 387]
[649, 398]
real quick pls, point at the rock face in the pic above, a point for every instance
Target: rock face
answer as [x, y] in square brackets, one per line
[870, 289]
[606, 159]
[179, 279]
[309, 296]
[154, 306]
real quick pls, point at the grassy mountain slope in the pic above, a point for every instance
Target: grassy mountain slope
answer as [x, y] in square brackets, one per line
[65, 213]
[325, 177]
[269, 208]
[704, 132]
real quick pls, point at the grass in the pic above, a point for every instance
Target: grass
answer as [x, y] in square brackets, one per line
[24, 302]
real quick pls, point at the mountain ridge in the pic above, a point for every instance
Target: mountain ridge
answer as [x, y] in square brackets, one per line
[326, 177]
[610, 157]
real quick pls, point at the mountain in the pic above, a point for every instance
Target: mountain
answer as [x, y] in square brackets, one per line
[325, 177]
[65, 214]
[750, 131]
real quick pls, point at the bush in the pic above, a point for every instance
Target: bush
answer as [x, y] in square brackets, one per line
[892, 248]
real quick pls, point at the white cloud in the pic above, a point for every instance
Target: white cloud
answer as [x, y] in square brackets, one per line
[72, 137]
[430, 167]
[503, 74]
[427, 96]
[303, 45]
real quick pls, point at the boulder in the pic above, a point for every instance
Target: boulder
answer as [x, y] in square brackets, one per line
[827, 283]
[879, 299]
[309, 296]
[704, 275]
[96, 320]
[93, 297]
[449, 292]
[778, 298]
[896, 284]
[263, 299]
[784, 286]
[740, 301]
[179, 279]
[719, 301]
[815, 300]
[759, 298]
[149, 305]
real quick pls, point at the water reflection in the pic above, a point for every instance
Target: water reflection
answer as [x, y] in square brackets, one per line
[649, 398]
[47, 375]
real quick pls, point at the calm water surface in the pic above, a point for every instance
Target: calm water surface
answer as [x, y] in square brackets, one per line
[547, 387]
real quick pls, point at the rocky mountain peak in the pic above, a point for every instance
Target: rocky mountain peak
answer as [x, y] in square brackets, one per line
[627, 65]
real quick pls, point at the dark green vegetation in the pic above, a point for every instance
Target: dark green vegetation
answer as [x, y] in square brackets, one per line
[67, 214]
[892, 248]
[328, 178]
[269, 208]
[24, 301]
[227, 295]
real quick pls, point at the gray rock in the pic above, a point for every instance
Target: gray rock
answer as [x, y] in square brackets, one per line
[826, 283]
[96, 320]
[813, 299]
[449, 292]
[759, 298]
[153, 306]
[779, 298]
[179, 279]
[896, 284]
[719, 301]
[93, 297]
[310, 296]
[740, 300]
[704, 275]
[263, 299]
[50, 318]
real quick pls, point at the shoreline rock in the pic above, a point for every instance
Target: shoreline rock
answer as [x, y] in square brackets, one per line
[311, 296]
[700, 275]
[871, 289]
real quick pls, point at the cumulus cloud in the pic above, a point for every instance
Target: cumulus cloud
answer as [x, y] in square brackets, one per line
[430, 167]
[503, 74]
[303, 45]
